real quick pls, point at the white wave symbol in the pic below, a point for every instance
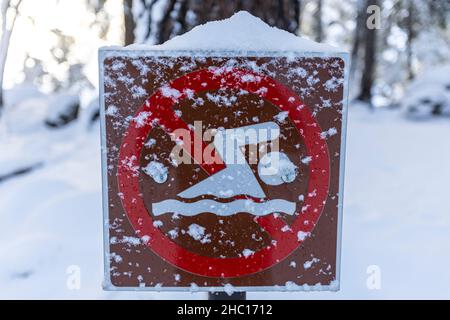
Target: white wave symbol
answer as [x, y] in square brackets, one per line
[223, 209]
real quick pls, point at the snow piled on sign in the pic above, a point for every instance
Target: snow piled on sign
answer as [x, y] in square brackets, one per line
[240, 32]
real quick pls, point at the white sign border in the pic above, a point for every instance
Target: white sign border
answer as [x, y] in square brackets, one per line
[106, 52]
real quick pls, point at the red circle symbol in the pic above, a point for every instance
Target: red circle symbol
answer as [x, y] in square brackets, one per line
[157, 111]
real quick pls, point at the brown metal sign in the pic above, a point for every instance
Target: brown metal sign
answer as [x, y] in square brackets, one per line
[222, 170]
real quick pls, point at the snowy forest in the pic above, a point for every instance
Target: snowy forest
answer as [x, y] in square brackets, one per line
[396, 219]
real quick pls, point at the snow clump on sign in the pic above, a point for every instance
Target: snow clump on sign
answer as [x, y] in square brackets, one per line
[198, 233]
[157, 171]
[229, 289]
[247, 252]
[301, 235]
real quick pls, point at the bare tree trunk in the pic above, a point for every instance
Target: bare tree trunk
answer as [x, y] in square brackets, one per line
[166, 24]
[368, 72]
[318, 19]
[358, 33]
[181, 16]
[6, 37]
[298, 15]
[439, 12]
[129, 22]
[410, 33]
[284, 14]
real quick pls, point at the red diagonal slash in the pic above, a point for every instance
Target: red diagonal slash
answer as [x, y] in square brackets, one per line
[166, 117]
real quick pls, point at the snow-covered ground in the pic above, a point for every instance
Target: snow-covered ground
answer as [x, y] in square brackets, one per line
[396, 213]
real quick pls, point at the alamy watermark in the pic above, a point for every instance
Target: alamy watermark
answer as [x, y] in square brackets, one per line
[73, 280]
[373, 281]
[219, 146]
[374, 19]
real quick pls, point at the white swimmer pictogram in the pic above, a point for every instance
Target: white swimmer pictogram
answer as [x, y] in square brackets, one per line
[237, 182]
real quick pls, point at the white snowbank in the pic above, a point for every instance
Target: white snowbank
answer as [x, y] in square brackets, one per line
[240, 32]
[429, 93]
